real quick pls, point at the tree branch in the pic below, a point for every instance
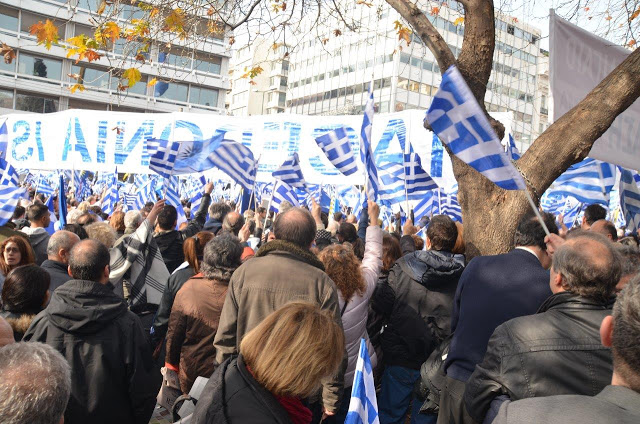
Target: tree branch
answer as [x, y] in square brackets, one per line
[427, 32]
[570, 138]
[246, 16]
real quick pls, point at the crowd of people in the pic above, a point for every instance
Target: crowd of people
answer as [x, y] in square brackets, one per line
[101, 319]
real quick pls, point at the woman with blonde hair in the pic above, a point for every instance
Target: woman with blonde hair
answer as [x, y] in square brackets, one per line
[282, 362]
[356, 283]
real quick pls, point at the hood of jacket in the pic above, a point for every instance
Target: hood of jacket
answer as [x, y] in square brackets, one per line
[433, 268]
[36, 235]
[84, 307]
[288, 247]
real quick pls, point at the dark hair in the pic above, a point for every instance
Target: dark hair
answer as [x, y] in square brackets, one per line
[442, 233]
[531, 233]
[147, 207]
[325, 219]
[26, 253]
[589, 265]
[77, 229]
[87, 260]
[338, 216]
[86, 219]
[25, 289]
[222, 255]
[350, 235]
[117, 221]
[233, 226]
[218, 211]
[593, 213]
[296, 226]
[18, 212]
[97, 210]
[37, 211]
[629, 241]
[193, 248]
[261, 209]
[167, 217]
[626, 333]
[391, 252]
[629, 258]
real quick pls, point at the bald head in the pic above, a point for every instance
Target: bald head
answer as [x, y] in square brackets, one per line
[296, 226]
[232, 223]
[6, 333]
[587, 265]
[60, 245]
[606, 228]
[89, 260]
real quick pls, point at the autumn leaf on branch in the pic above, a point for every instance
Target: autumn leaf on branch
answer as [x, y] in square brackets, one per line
[364, 3]
[253, 72]
[8, 53]
[132, 75]
[175, 21]
[435, 10]
[459, 21]
[75, 87]
[83, 46]
[404, 33]
[109, 31]
[634, 15]
[46, 33]
[337, 32]
[103, 5]
[631, 43]
[275, 46]
[140, 29]
[152, 82]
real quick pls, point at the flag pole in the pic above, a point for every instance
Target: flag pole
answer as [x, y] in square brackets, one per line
[536, 211]
[264, 226]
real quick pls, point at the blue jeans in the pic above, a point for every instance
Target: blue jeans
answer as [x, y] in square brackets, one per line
[396, 393]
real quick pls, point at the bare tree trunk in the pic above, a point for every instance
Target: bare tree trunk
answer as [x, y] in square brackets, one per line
[491, 214]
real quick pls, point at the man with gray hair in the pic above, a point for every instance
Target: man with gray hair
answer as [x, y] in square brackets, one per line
[57, 263]
[619, 402]
[35, 384]
[217, 212]
[556, 351]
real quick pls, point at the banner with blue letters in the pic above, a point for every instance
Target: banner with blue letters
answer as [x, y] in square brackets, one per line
[101, 141]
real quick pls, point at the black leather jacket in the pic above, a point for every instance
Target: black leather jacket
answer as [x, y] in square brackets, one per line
[416, 301]
[554, 352]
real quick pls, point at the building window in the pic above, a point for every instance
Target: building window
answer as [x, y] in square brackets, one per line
[91, 76]
[403, 83]
[36, 103]
[405, 58]
[175, 57]
[29, 19]
[206, 62]
[203, 96]
[170, 91]
[39, 66]
[511, 29]
[8, 18]
[75, 103]
[139, 88]
[6, 99]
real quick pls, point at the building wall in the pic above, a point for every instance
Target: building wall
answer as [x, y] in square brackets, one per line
[38, 80]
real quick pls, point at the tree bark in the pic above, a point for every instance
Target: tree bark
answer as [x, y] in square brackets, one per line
[491, 214]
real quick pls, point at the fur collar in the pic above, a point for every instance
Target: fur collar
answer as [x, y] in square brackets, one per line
[281, 245]
[20, 324]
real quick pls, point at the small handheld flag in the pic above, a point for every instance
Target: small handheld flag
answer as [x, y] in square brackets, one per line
[363, 407]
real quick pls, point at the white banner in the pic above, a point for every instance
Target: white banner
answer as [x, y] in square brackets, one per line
[579, 61]
[101, 141]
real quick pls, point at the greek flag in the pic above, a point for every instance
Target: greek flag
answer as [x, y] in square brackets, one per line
[427, 206]
[44, 186]
[4, 139]
[589, 181]
[283, 192]
[512, 150]
[335, 145]
[8, 174]
[357, 210]
[197, 191]
[173, 199]
[450, 206]
[630, 200]
[416, 178]
[320, 196]
[460, 123]
[290, 172]
[162, 156]
[363, 408]
[111, 199]
[366, 154]
[130, 201]
[10, 193]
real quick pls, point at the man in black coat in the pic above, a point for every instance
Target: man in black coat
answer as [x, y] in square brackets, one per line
[415, 301]
[169, 239]
[558, 350]
[217, 212]
[113, 379]
[57, 263]
[493, 290]
[619, 402]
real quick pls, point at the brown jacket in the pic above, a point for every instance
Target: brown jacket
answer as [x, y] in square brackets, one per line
[280, 273]
[192, 327]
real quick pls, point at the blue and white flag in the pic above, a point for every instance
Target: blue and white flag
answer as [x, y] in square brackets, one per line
[630, 200]
[363, 407]
[366, 154]
[196, 195]
[589, 181]
[173, 199]
[335, 145]
[429, 206]
[512, 150]
[44, 186]
[290, 172]
[357, 210]
[461, 124]
[4, 139]
[450, 206]
[8, 174]
[416, 178]
[111, 199]
[320, 196]
[283, 192]
[10, 191]
[162, 156]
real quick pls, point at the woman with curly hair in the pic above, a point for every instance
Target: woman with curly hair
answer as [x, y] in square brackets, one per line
[356, 282]
[14, 251]
[196, 312]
